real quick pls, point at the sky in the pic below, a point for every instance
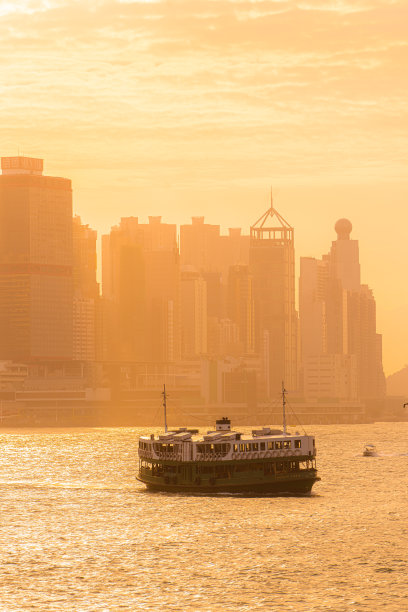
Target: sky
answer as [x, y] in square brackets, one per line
[198, 107]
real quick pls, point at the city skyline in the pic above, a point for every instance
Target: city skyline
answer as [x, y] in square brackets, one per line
[223, 305]
[184, 109]
[393, 362]
[176, 234]
[394, 330]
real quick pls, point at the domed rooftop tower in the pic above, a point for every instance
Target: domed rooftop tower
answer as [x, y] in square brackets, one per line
[345, 256]
[343, 229]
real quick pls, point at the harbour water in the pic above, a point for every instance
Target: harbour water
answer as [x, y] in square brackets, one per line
[77, 532]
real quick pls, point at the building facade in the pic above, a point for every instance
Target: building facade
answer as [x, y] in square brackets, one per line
[86, 303]
[339, 341]
[272, 267]
[140, 288]
[36, 262]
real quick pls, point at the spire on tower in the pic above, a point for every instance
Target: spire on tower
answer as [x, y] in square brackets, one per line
[271, 225]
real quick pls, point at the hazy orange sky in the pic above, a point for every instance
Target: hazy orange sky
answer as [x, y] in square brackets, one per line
[197, 107]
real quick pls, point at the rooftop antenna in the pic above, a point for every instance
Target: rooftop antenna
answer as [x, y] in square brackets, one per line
[284, 407]
[165, 407]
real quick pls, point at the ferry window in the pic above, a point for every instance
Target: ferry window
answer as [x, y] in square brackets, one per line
[235, 448]
[212, 448]
[242, 448]
[286, 444]
[255, 446]
[262, 446]
[298, 444]
[278, 445]
[270, 445]
[247, 447]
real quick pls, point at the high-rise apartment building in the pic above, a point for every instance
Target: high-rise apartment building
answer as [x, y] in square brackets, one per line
[193, 301]
[234, 251]
[140, 286]
[240, 305]
[211, 254]
[272, 266]
[200, 245]
[35, 262]
[203, 247]
[86, 316]
[338, 324]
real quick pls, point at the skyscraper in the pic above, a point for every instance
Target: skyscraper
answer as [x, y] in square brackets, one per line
[240, 305]
[272, 266]
[200, 245]
[193, 301]
[338, 323]
[212, 255]
[35, 262]
[86, 319]
[140, 284]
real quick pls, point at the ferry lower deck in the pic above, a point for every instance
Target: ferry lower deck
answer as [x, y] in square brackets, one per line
[273, 476]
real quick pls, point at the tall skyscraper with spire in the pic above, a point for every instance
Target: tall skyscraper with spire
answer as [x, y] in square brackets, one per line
[272, 266]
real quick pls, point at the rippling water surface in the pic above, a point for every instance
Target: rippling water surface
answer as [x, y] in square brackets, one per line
[77, 532]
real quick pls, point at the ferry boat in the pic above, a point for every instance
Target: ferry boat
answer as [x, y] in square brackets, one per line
[267, 461]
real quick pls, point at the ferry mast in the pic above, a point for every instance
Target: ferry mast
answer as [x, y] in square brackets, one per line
[284, 407]
[165, 407]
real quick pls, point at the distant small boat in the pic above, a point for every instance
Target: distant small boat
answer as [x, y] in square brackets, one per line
[369, 450]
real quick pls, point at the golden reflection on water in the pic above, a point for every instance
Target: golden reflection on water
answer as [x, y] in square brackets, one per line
[78, 532]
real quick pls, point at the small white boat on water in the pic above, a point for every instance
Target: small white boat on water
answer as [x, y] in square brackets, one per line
[370, 450]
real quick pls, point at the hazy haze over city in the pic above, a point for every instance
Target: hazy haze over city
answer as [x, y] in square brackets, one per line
[185, 108]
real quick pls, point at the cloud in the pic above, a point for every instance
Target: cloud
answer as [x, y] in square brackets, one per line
[304, 87]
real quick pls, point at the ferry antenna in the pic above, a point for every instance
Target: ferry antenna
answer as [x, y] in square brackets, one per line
[284, 407]
[164, 394]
